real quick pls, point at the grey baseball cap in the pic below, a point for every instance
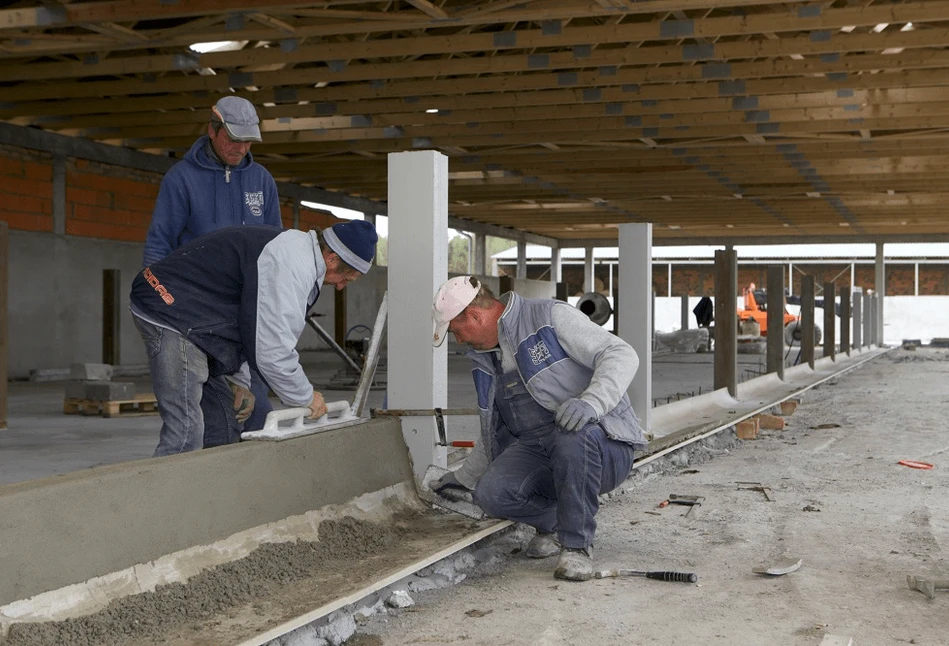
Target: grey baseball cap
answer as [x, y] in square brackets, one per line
[239, 117]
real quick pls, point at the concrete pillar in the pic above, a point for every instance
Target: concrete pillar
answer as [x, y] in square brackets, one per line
[521, 260]
[418, 265]
[872, 319]
[635, 319]
[480, 254]
[588, 277]
[880, 271]
[868, 318]
[775, 336]
[726, 321]
[685, 312]
[807, 320]
[556, 267]
[857, 317]
[845, 300]
[59, 194]
[295, 210]
[830, 320]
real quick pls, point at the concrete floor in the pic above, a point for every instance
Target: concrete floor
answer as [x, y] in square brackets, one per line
[41, 441]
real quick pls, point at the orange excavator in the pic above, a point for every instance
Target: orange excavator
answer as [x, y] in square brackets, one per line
[756, 309]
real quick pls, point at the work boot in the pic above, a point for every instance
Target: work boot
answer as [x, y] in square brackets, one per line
[575, 564]
[543, 545]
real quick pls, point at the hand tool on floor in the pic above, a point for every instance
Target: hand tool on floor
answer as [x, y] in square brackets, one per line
[757, 486]
[779, 567]
[465, 506]
[926, 586]
[662, 575]
[691, 501]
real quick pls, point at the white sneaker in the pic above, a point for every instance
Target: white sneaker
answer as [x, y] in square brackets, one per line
[542, 546]
[575, 564]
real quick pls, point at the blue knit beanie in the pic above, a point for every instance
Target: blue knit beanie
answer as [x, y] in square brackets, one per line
[354, 242]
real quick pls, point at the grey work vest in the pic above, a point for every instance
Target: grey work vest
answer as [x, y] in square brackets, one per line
[550, 375]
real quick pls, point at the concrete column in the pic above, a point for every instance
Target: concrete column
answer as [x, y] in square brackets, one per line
[418, 265]
[830, 321]
[111, 316]
[480, 254]
[685, 312]
[588, 277]
[790, 278]
[915, 279]
[857, 317]
[521, 260]
[635, 319]
[726, 321]
[880, 267]
[845, 300]
[871, 329]
[775, 336]
[295, 209]
[556, 267]
[807, 320]
[868, 318]
[669, 280]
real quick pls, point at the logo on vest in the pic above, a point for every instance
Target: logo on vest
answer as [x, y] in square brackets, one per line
[539, 353]
[152, 280]
[255, 202]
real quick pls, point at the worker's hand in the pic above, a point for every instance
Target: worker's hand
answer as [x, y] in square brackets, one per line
[574, 414]
[317, 405]
[448, 487]
[243, 402]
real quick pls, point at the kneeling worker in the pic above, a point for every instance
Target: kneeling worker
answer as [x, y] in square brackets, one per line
[557, 428]
[232, 300]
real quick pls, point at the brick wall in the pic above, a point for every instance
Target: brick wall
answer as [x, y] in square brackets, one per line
[27, 180]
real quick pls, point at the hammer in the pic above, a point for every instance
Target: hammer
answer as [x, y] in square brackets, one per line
[926, 586]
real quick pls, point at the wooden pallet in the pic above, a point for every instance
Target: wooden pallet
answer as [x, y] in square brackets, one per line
[144, 404]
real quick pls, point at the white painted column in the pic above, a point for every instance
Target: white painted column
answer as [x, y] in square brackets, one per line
[635, 301]
[880, 279]
[556, 267]
[916, 279]
[588, 277]
[480, 254]
[521, 260]
[418, 265]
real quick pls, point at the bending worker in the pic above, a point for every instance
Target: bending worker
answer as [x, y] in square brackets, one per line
[557, 428]
[216, 185]
[229, 301]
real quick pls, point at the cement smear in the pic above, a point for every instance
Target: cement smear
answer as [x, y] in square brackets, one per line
[149, 615]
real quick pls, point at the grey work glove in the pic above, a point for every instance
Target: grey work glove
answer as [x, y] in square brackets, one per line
[574, 414]
[449, 488]
[243, 402]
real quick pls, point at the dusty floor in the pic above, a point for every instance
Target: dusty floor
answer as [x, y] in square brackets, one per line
[859, 521]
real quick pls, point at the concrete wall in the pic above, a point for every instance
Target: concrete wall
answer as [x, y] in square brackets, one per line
[67, 529]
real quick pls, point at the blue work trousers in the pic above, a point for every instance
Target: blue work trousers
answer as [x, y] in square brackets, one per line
[196, 410]
[546, 477]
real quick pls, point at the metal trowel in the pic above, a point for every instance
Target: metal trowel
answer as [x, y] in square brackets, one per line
[465, 507]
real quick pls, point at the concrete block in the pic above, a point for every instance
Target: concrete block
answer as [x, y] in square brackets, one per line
[76, 389]
[90, 371]
[747, 429]
[772, 422]
[788, 406]
[110, 390]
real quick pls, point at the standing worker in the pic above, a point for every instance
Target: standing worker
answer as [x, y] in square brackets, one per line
[217, 184]
[230, 301]
[557, 427]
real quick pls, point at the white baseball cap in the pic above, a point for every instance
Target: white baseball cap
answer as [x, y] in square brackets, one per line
[450, 300]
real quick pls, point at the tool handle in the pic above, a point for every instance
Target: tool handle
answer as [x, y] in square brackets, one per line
[333, 409]
[682, 577]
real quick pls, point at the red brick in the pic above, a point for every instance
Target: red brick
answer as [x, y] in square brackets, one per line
[11, 167]
[39, 172]
[130, 202]
[27, 221]
[747, 429]
[772, 422]
[27, 204]
[31, 188]
[75, 195]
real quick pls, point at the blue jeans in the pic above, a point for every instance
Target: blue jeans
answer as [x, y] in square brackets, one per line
[196, 410]
[549, 478]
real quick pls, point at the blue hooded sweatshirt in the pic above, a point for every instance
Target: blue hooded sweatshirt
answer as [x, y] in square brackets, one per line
[201, 194]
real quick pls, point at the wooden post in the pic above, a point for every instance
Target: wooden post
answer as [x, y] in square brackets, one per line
[111, 316]
[726, 321]
[830, 320]
[339, 318]
[775, 314]
[807, 320]
[4, 345]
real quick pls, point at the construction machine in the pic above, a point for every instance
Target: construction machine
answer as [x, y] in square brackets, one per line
[756, 311]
